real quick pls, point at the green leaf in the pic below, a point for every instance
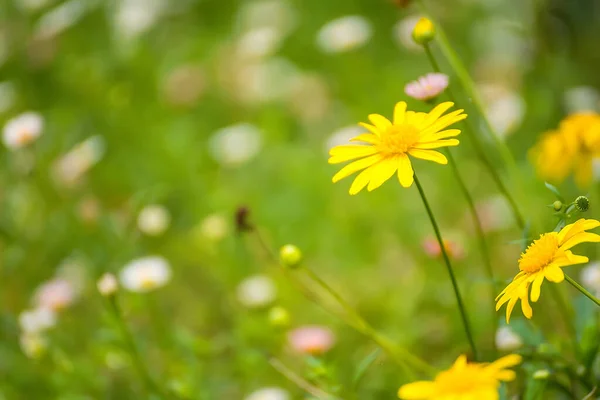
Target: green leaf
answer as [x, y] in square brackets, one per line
[554, 190]
[535, 389]
[364, 365]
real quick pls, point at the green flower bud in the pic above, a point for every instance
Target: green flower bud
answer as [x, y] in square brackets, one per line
[557, 205]
[279, 317]
[582, 203]
[541, 374]
[424, 31]
[290, 256]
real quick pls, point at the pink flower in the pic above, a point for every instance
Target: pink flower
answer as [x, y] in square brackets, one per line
[453, 248]
[311, 339]
[427, 87]
[55, 295]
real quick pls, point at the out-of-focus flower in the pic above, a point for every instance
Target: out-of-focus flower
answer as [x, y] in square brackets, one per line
[37, 320]
[494, 214]
[33, 345]
[290, 255]
[571, 148]
[344, 34]
[504, 108]
[62, 17]
[278, 15]
[135, 17]
[71, 167]
[236, 144]
[391, 142]
[544, 259]
[22, 130]
[464, 381]
[424, 31]
[427, 87]
[256, 291]
[454, 249]
[581, 98]
[184, 85]
[279, 317]
[259, 43]
[342, 136]
[403, 33]
[590, 277]
[153, 220]
[7, 95]
[88, 210]
[268, 393]
[145, 274]
[213, 227]
[309, 98]
[507, 339]
[32, 5]
[311, 339]
[56, 294]
[107, 284]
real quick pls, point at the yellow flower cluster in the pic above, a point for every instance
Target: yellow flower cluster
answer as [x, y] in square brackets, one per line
[569, 149]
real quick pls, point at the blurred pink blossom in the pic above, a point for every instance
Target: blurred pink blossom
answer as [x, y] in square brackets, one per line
[311, 339]
[427, 87]
[55, 295]
[432, 248]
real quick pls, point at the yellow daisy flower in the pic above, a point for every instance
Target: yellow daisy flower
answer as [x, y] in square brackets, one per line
[388, 145]
[544, 258]
[464, 381]
[569, 149]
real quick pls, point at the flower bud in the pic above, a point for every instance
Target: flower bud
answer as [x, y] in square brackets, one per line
[108, 285]
[541, 374]
[424, 31]
[582, 203]
[279, 317]
[557, 205]
[290, 256]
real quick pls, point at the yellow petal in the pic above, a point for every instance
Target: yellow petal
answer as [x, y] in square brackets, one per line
[576, 227]
[580, 238]
[370, 128]
[536, 287]
[381, 122]
[509, 307]
[405, 171]
[584, 171]
[436, 113]
[344, 153]
[437, 144]
[525, 306]
[430, 155]
[460, 362]
[360, 181]
[399, 112]
[382, 171]
[443, 122]
[367, 138]
[505, 362]
[420, 390]
[356, 166]
[446, 134]
[506, 375]
[554, 274]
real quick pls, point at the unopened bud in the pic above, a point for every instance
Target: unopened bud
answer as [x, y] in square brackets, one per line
[541, 374]
[424, 31]
[290, 256]
[108, 285]
[582, 203]
[279, 317]
[557, 205]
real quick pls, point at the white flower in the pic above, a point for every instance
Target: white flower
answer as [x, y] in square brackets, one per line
[344, 34]
[153, 220]
[135, 17]
[37, 320]
[590, 277]
[342, 136]
[270, 80]
[22, 130]
[107, 284]
[55, 295]
[268, 393]
[62, 17]
[274, 14]
[69, 169]
[507, 340]
[214, 227]
[403, 33]
[260, 42]
[34, 345]
[145, 274]
[256, 291]
[581, 98]
[236, 144]
[505, 109]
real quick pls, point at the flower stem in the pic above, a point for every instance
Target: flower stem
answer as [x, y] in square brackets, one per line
[582, 290]
[470, 131]
[151, 386]
[461, 307]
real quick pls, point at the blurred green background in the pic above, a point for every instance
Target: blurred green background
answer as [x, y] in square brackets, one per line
[204, 106]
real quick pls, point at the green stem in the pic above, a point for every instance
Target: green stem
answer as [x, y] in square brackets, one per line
[438, 235]
[582, 290]
[477, 145]
[139, 365]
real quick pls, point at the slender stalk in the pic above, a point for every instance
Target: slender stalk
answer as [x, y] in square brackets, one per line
[438, 235]
[138, 363]
[470, 131]
[582, 290]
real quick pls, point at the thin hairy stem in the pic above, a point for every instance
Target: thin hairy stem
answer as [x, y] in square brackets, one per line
[582, 290]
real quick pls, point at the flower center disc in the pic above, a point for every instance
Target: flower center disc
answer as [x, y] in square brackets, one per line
[540, 253]
[398, 139]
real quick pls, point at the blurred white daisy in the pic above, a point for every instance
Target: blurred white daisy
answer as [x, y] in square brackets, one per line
[22, 130]
[342, 136]
[236, 144]
[33, 345]
[266, 81]
[260, 42]
[590, 277]
[256, 291]
[37, 320]
[153, 220]
[55, 295]
[145, 274]
[427, 87]
[62, 17]
[135, 17]
[344, 34]
[309, 98]
[403, 33]
[107, 284]
[505, 108]
[268, 393]
[507, 340]
[71, 167]
[275, 14]
[581, 98]
[214, 227]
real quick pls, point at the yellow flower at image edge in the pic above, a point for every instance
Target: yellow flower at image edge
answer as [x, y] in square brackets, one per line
[388, 146]
[544, 259]
[464, 381]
